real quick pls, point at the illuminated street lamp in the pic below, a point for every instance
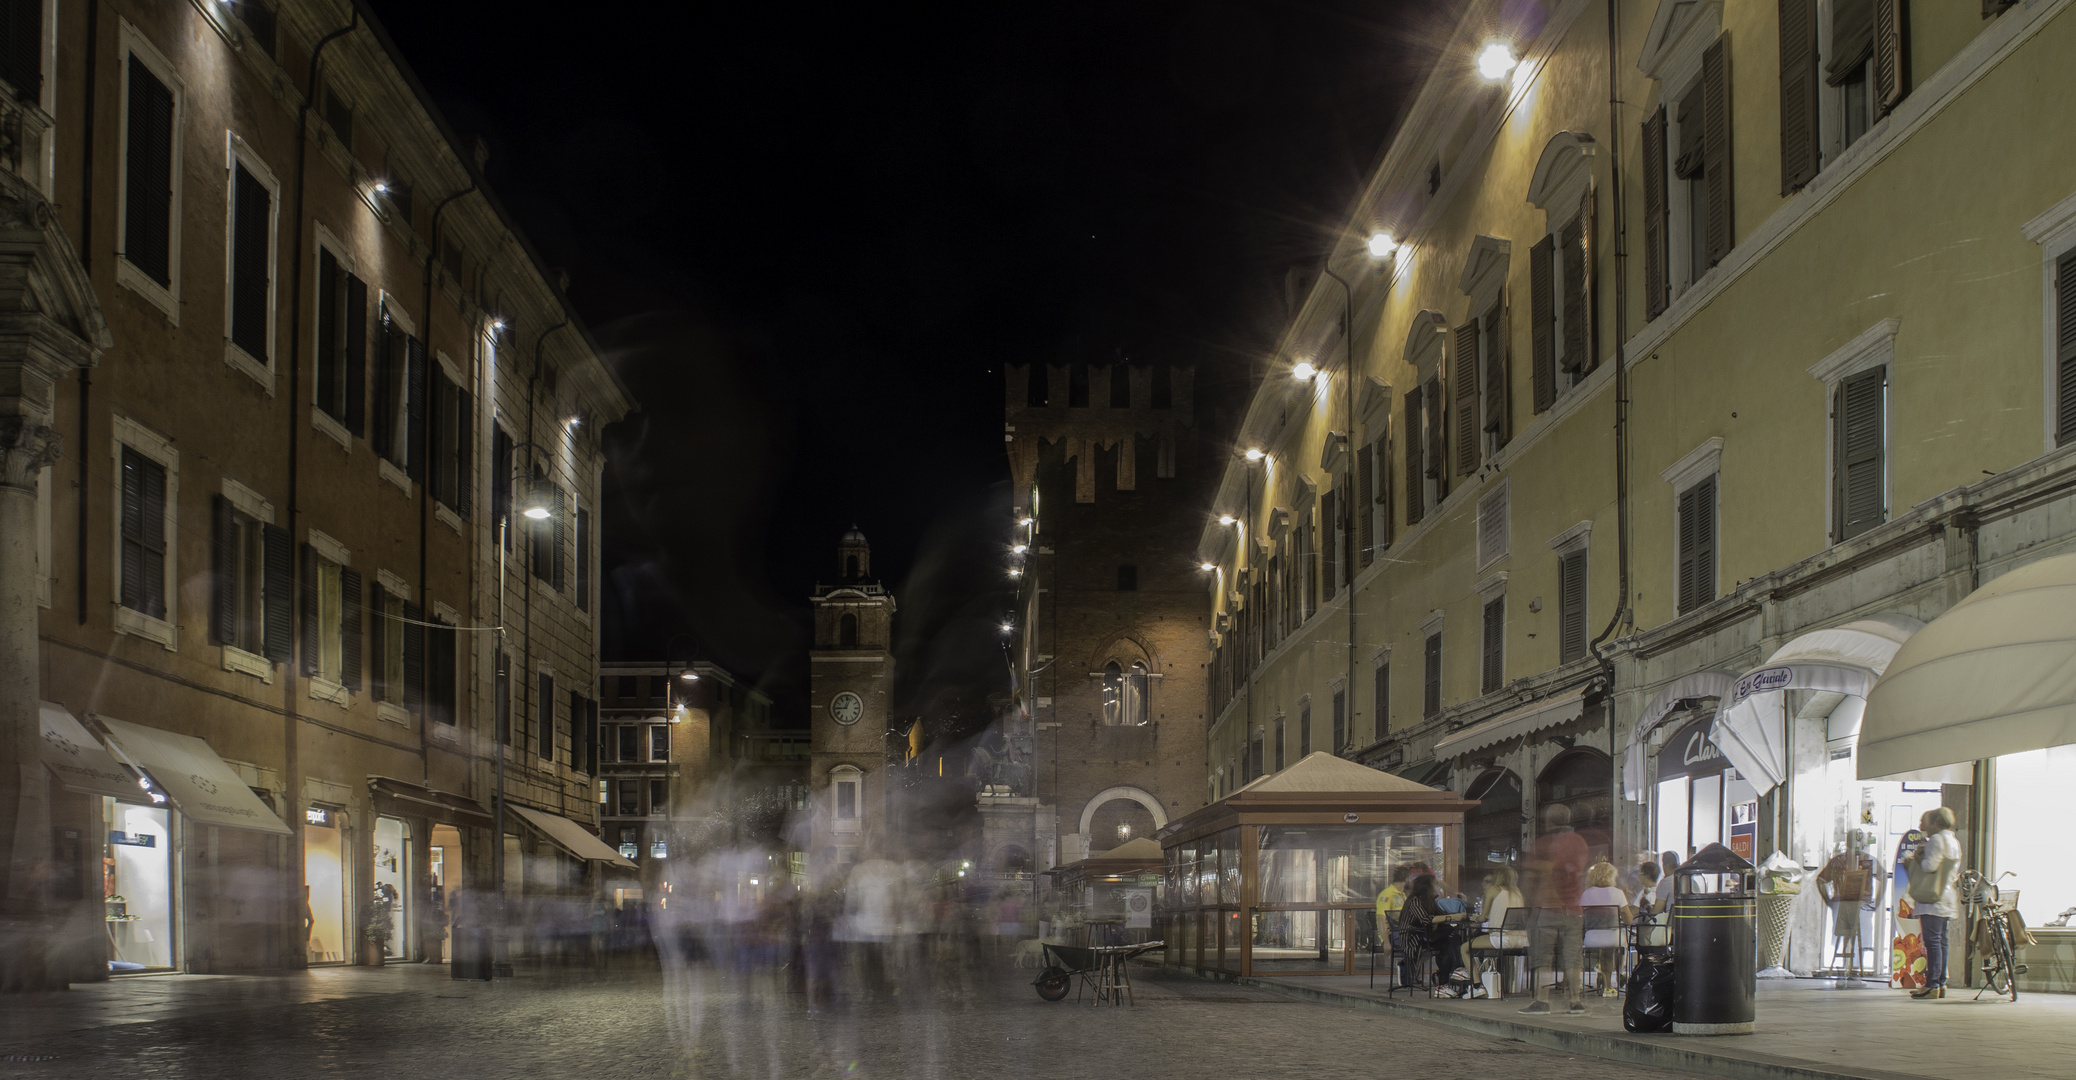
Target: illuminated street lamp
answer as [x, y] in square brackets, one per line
[1255, 453]
[1207, 567]
[1304, 371]
[1227, 519]
[1382, 244]
[1496, 60]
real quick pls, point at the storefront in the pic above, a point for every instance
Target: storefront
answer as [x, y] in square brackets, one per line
[139, 876]
[1699, 799]
[181, 798]
[1492, 833]
[1282, 876]
[1986, 689]
[326, 939]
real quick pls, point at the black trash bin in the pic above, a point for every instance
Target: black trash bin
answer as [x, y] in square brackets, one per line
[471, 958]
[1714, 936]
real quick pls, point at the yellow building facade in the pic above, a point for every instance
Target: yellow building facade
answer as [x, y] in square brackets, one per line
[1642, 399]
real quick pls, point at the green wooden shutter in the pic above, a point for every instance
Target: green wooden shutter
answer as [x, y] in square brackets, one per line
[278, 556]
[544, 721]
[350, 629]
[1571, 606]
[1891, 55]
[1697, 545]
[223, 570]
[1858, 421]
[330, 350]
[1494, 673]
[1542, 322]
[355, 315]
[1464, 385]
[2065, 349]
[1499, 348]
[1571, 241]
[1364, 506]
[1799, 151]
[1717, 233]
[1657, 283]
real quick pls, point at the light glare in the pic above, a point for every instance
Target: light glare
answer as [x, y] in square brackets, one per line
[1382, 244]
[1496, 60]
[1207, 567]
[1226, 519]
[1254, 453]
[1304, 371]
[538, 513]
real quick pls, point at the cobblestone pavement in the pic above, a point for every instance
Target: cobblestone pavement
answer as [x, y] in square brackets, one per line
[404, 1023]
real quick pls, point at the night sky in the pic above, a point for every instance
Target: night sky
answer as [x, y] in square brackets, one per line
[810, 237]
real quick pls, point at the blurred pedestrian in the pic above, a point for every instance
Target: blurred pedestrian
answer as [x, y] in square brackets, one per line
[1556, 879]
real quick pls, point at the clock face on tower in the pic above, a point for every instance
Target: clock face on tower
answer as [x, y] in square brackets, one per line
[845, 708]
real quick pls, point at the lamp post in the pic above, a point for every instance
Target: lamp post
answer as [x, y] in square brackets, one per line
[534, 507]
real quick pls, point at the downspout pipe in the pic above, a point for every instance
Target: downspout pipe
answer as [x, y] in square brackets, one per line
[1622, 510]
[291, 761]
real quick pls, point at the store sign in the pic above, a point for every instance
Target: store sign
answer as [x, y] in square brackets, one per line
[320, 816]
[1689, 752]
[1760, 681]
[133, 839]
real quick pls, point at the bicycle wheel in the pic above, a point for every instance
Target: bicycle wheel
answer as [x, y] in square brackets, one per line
[2007, 958]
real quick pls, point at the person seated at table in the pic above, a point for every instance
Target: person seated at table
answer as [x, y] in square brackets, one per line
[1601, 893]
[1648, 882]
[1445, 932]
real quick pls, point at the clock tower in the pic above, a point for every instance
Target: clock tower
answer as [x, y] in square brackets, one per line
[851, 684]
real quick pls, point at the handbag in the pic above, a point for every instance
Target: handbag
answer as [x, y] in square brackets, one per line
[1927, 883]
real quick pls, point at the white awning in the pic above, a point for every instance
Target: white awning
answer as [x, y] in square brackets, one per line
[77, 760]
[1700, 684]
[1994, 675]
[200, 784]
[1533, 717]
[572, 837]
[1751, 728]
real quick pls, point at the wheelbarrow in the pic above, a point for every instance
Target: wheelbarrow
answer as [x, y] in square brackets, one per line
[1103, 970]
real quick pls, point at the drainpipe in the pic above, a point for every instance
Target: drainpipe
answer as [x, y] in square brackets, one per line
[1622, 611]
[532, 395]
[291, 760]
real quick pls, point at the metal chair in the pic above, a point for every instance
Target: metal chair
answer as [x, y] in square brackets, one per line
[1513, 927]
[1606, 938]
[1417, 963]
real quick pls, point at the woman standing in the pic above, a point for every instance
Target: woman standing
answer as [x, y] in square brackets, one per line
[1932, 895]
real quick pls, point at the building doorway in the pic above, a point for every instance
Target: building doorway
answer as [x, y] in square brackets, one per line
[140, 886]
[324, 886]
[1580, 780]
[1492, 833]
[391, 882]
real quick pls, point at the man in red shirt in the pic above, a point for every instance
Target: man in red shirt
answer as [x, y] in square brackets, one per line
[1555, 878]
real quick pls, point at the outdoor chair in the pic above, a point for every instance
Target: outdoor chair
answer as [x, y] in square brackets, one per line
[1606, 940]
[1510, 940]
[1417, 961]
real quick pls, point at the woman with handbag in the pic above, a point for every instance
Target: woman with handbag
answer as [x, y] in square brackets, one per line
[1932, 895]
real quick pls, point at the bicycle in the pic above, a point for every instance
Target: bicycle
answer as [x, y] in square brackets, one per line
[1992, 907]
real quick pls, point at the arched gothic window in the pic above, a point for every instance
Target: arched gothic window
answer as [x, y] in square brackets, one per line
[847, 631]
[1124, 695]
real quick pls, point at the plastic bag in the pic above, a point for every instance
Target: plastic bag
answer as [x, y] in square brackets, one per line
[1780, 875]
[1647, 1003]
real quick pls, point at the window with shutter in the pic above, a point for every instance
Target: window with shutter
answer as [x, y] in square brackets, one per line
[312, 652]
[544, 719]
[351, 617]
[21, 48]
[1859, 419]
[591, 737]
[1799, 153]
[1493, 538]
[223, 572]
[2065, 349]
[1697, 545]
[389, 344]
[1365, 506]
[1571, 243]
[1464, 377]
[1571, 606]
[1415, 469]
[413, 394]
[252, 264]
[584, 560]
[412, 631]
[148, 174]
[1715, 148]
[501, 483]
[386, 677]
[353, 313]
[143, 534]
[560, 519]
[1499, 348]
[1493, 674]
[1657, 282]
[1304, 729]
[1431, 678]
[1542, 322]
[1383, 699]
[1891, 54]
[277, 589]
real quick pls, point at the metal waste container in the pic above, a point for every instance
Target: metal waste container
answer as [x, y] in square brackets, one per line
[1714, 935]
[471, 959]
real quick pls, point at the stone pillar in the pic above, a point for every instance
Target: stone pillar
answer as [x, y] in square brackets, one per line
[26, 449]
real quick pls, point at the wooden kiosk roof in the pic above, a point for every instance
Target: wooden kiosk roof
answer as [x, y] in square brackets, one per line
[1319, 789]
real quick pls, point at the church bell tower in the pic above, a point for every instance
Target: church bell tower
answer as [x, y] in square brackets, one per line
[851, 682]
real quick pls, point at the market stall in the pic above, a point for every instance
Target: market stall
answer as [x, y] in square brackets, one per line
[1108, 898]
[1281, 877]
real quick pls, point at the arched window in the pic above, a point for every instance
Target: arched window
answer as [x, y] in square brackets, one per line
[850, 566]
[847, 630]
[846, 790]
[1124, 694]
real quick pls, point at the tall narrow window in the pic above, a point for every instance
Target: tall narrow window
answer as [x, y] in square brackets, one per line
[1463, 378]
[1304, 729]
[252, 264]
[148, 141]
[2065, 349]
[591, 737]
[1800, 117]
[143, 534]
[440, 672]
[659, 742]
[1858, 420]
[846, 800]
[544, 720]
[1340, 719]
[451, 434]
[1697, 544]
[1571, 606]
[1279, 744]
[659, 798]
[342, 343]
[847, 631]
[1493, 671]
[241, 587]
[629, 739]
[1431, 682]
[21, 47]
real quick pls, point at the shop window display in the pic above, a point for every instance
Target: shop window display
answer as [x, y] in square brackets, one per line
[2034, 799]
[392, 878]
[324, 887]
[137, 882]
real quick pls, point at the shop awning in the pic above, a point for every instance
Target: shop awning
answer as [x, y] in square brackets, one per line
[446, 808]
[1994, 675]
[1422, 772]
[1549, 712]
[1697, 686]
[1752, 726]
[77, 760]
[200, 784]
[571, 837]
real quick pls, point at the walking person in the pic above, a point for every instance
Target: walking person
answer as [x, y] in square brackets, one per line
[1556, 879]
[1932, 895]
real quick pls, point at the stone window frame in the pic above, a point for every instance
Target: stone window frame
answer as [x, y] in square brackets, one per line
[125, 433]
[131, 42]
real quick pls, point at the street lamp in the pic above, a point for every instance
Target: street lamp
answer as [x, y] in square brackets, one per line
[1255, 453]
[1304, 371]
[1382, 245]
[1495, 60]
